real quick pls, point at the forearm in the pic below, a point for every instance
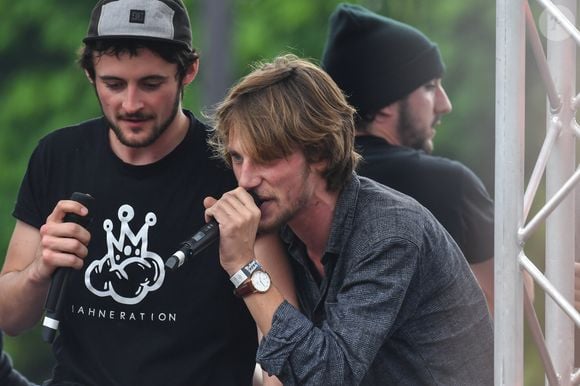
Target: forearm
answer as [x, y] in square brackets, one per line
[21, 301]
[299, 353]
[263, 306]
[23, 284]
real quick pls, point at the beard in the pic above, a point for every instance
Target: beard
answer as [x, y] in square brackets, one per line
[411, 134]
[288, 213]
[155, 133]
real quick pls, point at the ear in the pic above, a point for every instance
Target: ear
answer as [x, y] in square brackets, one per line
[386, 122]
[91, 81]
[191, 73]
[319, 167]
[388, 113]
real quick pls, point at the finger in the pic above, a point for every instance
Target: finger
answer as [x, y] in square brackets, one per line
[242, 201]
[223, 211]
[66, 206]
[57, 259]
[56, 253]
[208, 203]
[239, 205]
[66, 245]
[66, 230]
[247, 198]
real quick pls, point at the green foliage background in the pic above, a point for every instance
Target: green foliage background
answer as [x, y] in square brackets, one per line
[41, 88]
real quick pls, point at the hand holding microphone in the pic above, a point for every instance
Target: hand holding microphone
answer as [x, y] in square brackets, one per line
[204, 237]
[55, 298]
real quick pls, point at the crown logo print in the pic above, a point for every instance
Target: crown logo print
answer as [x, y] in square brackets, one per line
[128, 271]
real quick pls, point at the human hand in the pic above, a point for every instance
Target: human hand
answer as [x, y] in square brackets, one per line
[238, 218]
[62, 244]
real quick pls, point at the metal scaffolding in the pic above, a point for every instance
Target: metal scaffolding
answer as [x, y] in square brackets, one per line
[557, 163]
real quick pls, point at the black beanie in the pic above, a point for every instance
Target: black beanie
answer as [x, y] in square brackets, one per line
[376, 60]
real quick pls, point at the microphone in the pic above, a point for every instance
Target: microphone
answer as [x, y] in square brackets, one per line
[55, 298]
[203, 238]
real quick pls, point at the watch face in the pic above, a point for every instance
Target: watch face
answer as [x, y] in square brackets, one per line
[261, 281]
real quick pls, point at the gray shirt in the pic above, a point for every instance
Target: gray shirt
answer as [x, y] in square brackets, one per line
[398, 304]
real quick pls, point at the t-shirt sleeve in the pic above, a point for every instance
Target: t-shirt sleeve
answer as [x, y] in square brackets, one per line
[28, 208]
[477, 216]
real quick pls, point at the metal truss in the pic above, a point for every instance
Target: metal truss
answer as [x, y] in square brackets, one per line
[557, 163]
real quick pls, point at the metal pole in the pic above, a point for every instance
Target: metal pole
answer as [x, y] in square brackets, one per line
[216, 56]
[560, 224]
[538, 50]
[509, 190]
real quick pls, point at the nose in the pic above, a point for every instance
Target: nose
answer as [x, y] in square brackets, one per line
[247, 174]
[442, 103]
[132, 100]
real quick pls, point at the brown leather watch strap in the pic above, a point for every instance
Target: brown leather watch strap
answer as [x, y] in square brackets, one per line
[258, 282]
[245, 289]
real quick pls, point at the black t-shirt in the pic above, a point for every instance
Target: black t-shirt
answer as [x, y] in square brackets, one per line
[128, 321]
[452, 192]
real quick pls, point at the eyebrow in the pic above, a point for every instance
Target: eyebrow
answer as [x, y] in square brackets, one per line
[231, 151]
[146, 78]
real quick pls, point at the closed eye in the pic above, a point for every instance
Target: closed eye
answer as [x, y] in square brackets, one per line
[150, 86]
[114, 85]
[236, 158]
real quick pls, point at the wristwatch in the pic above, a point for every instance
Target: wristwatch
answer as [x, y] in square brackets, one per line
[259, 282]
[243, 274]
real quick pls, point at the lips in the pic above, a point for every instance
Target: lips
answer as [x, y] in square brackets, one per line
[134, 123]
[262, 203]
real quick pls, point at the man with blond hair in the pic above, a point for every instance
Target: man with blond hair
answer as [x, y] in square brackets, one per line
[386, 295]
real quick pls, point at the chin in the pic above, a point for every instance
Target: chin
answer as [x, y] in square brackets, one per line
[269, 225]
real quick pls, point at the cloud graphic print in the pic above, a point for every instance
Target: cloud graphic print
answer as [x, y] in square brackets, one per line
[129, 271]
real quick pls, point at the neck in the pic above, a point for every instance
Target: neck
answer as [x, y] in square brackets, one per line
[384, 131]
[312, 225]
[164, 145]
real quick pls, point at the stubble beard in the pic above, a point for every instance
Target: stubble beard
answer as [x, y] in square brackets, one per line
[411, 135]
[290, 212]
[157, 130]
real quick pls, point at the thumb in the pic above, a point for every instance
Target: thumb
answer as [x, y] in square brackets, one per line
[208, 202]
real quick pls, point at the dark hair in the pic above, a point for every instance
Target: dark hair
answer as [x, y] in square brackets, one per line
[362, 123]
[171, 53]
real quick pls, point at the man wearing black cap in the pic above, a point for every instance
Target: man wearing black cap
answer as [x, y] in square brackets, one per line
[126, 321]
[391, 73]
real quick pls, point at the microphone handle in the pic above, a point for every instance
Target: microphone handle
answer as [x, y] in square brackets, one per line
[203, 238]
[55, 298]
[53, 305]
[207, 235]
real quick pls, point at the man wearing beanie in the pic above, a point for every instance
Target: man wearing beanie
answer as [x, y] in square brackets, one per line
[391, 73]
[127, 320]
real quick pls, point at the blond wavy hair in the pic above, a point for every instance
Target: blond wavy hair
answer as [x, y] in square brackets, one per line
[285, 106]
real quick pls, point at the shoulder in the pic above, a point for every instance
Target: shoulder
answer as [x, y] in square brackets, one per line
[85, 132]
[390, 214]
[376, 151]
[207, 165]
[396, 226]
[440, 166]
[199, 133]
[411, 171]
